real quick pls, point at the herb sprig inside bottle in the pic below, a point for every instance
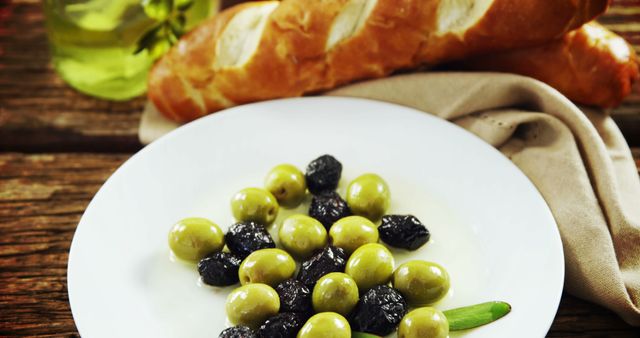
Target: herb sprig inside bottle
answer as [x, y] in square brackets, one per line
[170, 24]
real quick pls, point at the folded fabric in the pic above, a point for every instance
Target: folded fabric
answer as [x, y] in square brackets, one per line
[577, 159]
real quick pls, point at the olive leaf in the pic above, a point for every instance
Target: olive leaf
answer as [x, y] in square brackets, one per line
[169, 26]
[177, 24]
[159, 48]
[158, 9]
[157, 41]
[183, 5]
[147, 40]
[472, 316]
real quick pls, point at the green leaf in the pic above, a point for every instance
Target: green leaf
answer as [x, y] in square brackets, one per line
[183, 5]
[147, 40]
[172, 38]
[472, 316]
[159, 48]
[157, 41]
[177, 24]
[171, 23]
[158, 9]
[356, 334]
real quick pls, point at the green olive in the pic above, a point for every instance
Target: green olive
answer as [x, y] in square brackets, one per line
[301, 235]
[254, 204]
[193, 238]
[267, 266]
[353, 232]
[424, 322]
[368, 195]
[370, 265]
[421, 282]
[287, 184]
[325, 325]
[252, 304]
[335, 292]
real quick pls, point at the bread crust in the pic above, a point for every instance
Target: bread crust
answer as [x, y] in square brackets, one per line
[389, 40]
[511, 24]
[590, 65]
[291, 58]
[182, 83]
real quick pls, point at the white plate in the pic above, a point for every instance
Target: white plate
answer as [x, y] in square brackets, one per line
[490, 227]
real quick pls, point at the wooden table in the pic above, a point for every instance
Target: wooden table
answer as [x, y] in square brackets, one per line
[57, 147]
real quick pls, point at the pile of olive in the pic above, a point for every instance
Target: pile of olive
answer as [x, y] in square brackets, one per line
[342, 283]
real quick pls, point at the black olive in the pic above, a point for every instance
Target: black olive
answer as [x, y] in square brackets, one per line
[403, 231]
[323, 174]
[246, 237]
[294, 297]
[328, 208]
[238, 332]
[220, 269]
[379, 311]
[330, 259]
[282, 325]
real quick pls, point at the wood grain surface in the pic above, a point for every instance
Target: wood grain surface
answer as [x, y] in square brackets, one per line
[38, 112]
[57, 147]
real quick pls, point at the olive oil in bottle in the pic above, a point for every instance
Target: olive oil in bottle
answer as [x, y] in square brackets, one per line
[93, 43]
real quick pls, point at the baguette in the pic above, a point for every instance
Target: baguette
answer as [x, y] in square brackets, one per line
[590, 65]
[269, 49]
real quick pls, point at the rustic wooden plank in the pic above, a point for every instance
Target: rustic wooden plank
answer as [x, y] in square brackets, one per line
[39, 113]
[41, 200]
[579, 318]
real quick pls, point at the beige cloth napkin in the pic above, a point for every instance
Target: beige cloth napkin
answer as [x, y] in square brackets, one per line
[578, 160]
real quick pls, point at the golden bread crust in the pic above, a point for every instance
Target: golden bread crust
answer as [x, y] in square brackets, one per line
[590, 65]
[292, 57]
[389, 40]
[509, 24]
[182, 83]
